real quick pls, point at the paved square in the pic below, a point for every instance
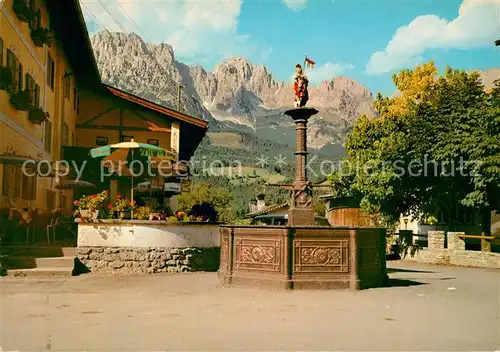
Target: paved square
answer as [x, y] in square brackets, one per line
[452, 309]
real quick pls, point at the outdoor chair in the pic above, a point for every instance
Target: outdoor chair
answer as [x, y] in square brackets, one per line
[55, 221]
[39, 221]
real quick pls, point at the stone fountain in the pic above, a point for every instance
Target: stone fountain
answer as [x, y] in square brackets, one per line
[302, 255]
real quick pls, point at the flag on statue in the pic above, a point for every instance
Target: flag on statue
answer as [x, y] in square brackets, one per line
[310, 63]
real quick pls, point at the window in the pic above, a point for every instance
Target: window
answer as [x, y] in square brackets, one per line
[47, 136]
[1, 52]
[11, 181]
[65, 134]
[154, 142]
[29, 186]
[75, 103]
[37, 96]
[51, 68]
[36, 21]
[20, 78]
[67, 86]
[101, 141]
[51, 197]
[31, 88]
[15, 69]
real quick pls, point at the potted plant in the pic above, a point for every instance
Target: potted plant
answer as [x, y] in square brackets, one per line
[37, 116]
[432, 220]
[88, 207]
[5, 79]
[123, 207]
[142, 213]
[21, 100]
[22, 10]
[41, 36]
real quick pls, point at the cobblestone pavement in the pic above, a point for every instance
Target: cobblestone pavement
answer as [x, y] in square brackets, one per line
[443, 309]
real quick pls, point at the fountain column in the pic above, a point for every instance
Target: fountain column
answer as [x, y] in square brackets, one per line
[301, 212]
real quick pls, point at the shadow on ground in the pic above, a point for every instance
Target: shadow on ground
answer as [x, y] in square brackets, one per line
[79, 268]
[396, 270]
[403, 283]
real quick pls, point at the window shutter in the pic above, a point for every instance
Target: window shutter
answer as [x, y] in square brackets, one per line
[28, 83]
[12, 68]
[9, 59]
[38, 19]
[20, 77]
[1, 52]
[37, 96]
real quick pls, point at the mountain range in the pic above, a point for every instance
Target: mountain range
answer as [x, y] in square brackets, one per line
[238, 96]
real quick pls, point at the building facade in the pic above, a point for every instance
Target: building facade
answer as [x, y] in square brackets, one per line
[52, 99]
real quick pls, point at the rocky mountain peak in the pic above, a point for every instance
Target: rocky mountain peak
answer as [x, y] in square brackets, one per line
[238, 93]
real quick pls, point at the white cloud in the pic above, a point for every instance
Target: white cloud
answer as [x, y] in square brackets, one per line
[477, 25]
[326, 72]
[295, 5]
[201, 31]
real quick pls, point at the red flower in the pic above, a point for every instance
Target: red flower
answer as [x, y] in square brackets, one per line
[119, 196]
[93, 196]
[110, 206]
[76, 202]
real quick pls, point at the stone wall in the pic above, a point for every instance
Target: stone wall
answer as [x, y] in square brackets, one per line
[455, 254]
[133, 260]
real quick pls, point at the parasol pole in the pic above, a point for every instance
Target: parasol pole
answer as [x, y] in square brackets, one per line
[132, 187]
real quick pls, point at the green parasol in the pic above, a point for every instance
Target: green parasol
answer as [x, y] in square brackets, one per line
[120, 151]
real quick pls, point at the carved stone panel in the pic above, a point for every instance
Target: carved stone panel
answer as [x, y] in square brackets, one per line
[258, 254]
[224, 250]
[321, 256]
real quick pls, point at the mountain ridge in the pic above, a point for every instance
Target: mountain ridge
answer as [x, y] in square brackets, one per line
[238, 95]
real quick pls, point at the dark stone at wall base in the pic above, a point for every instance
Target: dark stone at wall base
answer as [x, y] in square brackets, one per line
[129, 260]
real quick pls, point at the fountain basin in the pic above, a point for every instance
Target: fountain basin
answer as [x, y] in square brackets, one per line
[302, 257]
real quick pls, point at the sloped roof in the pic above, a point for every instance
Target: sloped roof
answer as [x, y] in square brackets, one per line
[267, 210]
[177, 115]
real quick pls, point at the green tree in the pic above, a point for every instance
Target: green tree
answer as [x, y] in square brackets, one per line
[434, 146]
[203, 192]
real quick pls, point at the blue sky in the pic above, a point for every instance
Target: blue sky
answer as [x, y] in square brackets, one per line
[365, 40]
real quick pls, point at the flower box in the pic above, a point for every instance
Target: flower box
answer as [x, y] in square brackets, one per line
[37, 116]
[88, 206]
[21, 100]
[124, 215]
[89, 214]
[22, 11]
[41, 36]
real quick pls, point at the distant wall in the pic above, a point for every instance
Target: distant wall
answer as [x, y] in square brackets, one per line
[455, 254]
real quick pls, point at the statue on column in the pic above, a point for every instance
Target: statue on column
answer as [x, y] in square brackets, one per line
[300, 87]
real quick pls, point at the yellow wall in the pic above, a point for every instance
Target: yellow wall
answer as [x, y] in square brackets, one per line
[17, 133]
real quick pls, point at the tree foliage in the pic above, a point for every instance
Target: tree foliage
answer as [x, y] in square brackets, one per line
[435, 146]
[201, 193]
